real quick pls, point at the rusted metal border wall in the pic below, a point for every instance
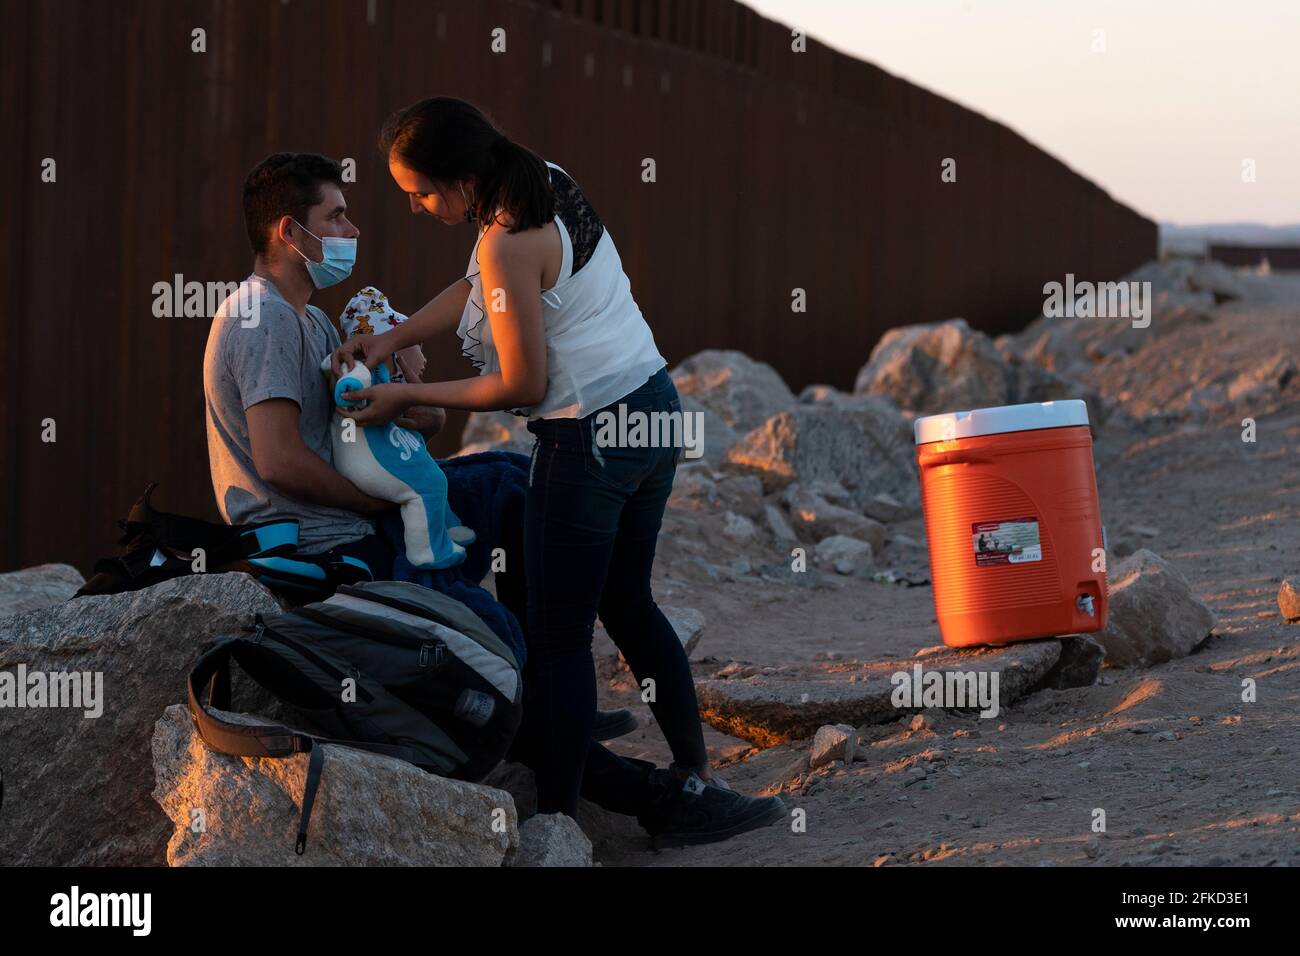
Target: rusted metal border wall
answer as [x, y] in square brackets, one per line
[775, 171]
[1278, 257]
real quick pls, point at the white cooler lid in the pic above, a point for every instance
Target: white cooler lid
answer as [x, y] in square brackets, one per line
[996, 421]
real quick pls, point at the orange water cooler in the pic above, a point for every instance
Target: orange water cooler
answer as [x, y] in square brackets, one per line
[1014, 526]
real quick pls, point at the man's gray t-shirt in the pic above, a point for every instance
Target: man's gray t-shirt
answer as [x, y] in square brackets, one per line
[278, 357]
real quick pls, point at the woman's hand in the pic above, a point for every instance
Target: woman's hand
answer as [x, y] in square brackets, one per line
[369, 350]
[383, 404]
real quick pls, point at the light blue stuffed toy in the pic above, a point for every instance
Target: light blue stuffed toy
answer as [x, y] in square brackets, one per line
[390, 462]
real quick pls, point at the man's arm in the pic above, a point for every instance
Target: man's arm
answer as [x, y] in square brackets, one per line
[428, 420]
[284, 461]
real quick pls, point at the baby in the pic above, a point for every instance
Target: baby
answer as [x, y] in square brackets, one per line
[388, 461]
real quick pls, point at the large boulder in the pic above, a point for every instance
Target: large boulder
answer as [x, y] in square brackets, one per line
[370, 810]
[865, 446]
[740, 493]
[77, 787]
[845, 555]
[732, 388]
[936, 367]
[814, 517]
[1031, 382]
[948, 366]
[714, 435]
[34, 588]
[1153, 615]
[1182, 292]
[1079, 664]
[886, 508]
[771, 705]
[1069, 347]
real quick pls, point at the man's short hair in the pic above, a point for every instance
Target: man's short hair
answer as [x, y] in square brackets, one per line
[284, 184]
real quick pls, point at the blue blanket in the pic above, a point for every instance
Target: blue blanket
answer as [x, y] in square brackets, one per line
[487, 493]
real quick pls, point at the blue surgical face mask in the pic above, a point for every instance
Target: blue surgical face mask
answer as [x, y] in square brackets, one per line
[340, 255]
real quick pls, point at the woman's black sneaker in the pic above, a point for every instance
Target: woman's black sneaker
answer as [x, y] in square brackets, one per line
[686, 810]
[613, 723]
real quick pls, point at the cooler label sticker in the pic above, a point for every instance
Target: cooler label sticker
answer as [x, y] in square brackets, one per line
[1006, 542]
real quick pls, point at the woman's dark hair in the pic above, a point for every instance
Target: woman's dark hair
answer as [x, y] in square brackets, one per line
[447, 139]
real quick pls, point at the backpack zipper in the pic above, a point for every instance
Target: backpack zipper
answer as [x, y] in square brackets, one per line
[397, 604]
[311, 655]
[438, 647]
[439, 655]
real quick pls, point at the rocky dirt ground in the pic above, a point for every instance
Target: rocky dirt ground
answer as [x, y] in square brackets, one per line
[1179, 762]
[1185, 770]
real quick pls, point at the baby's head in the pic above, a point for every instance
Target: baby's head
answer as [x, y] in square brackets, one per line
[368, 313]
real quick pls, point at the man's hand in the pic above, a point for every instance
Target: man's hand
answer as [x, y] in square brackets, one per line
[428, 420]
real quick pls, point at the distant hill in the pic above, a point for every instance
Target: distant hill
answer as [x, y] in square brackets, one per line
[1192, 239]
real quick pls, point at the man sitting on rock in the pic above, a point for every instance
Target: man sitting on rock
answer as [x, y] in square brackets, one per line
[268, 408]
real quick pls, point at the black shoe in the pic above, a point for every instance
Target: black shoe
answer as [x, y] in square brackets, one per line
[613, 723]
[687, 810]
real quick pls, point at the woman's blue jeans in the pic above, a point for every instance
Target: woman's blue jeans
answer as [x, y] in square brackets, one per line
[591, 523]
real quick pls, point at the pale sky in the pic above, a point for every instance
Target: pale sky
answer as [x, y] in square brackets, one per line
[1162, 119]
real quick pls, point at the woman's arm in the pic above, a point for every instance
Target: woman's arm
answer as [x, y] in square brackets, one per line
[511, 268]
[385, 403]
[440, 314]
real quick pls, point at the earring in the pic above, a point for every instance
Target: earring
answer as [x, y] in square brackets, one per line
[469, 211]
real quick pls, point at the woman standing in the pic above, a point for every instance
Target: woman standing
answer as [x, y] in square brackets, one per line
[546, 314]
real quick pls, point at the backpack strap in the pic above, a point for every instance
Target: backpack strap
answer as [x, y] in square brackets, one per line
[221, 542]
[159, 545]
[315, 763]
[210, 679]
[311, 576]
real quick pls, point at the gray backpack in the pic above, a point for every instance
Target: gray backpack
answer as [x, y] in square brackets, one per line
[385, 666]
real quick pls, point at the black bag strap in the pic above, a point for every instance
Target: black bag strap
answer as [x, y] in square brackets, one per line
[314, 765]
[158, 545]
[210, 678]
[221, 542]
[136, 569]
[308, 577]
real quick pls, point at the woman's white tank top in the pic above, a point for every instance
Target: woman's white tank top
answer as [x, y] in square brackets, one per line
[598, 345]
